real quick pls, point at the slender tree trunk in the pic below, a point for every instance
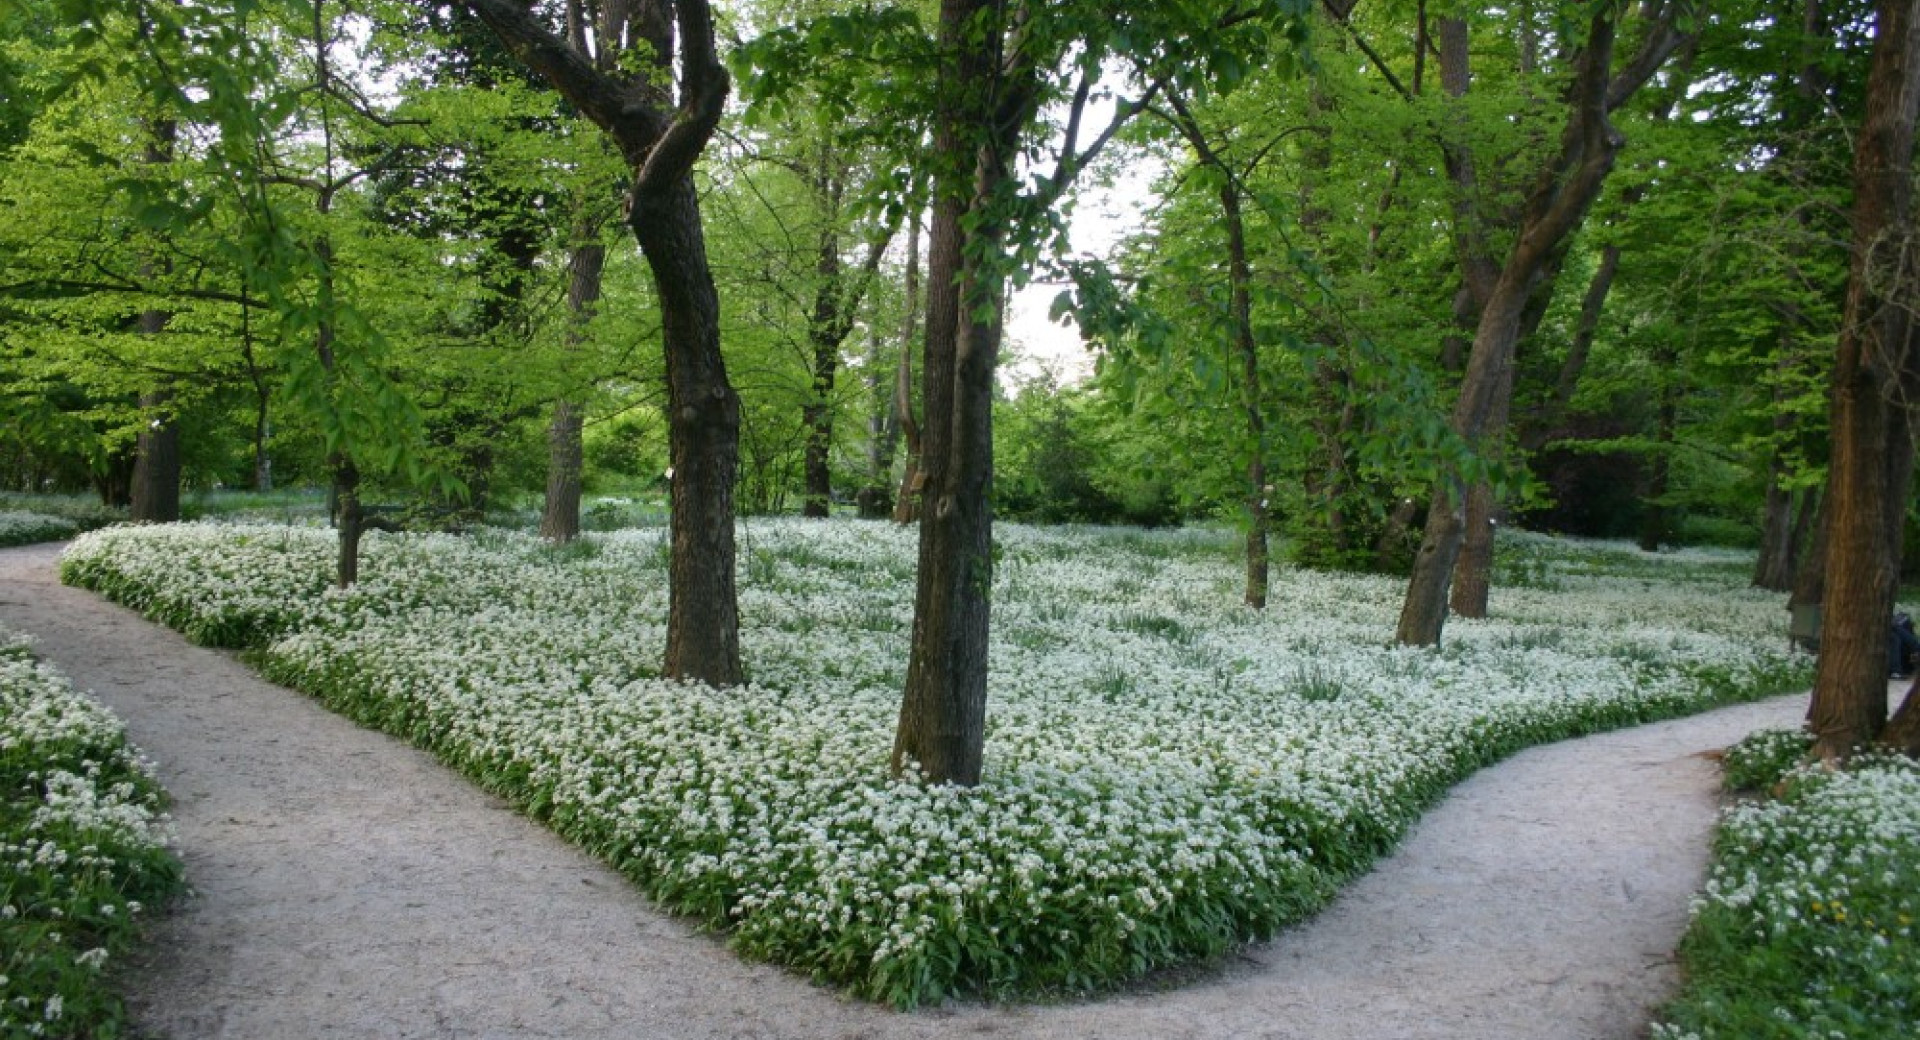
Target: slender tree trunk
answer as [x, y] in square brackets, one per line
[826, 328]
[1773, 567]
[566, 455]
[1593, 305]
[906, 503]
[943, 711]
[1656, 527]
[1240, 278]
[349, 520]
[1849, 695]
[899, 410]
[703, 417]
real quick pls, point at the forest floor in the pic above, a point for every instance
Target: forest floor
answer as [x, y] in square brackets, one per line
[346, 885]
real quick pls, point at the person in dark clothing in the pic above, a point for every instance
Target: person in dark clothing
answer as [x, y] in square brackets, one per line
[1903, 648]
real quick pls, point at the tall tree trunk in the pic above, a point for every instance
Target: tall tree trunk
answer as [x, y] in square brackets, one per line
[626, 88]
[566, 455]
[825, 331]
[943, 710]
[1244, 348]
[703, 417]
[349, 520]
[1780, 540]
[1871, 358]
[1555, 206]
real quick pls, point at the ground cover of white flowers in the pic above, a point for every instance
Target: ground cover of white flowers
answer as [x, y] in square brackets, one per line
[24, 528]
[1810, 923]
[1169, 773]
[82, 849]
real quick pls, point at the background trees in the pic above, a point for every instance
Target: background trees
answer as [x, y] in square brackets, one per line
[1408, 271]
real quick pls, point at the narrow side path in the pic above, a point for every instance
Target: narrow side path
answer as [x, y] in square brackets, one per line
[349, 886]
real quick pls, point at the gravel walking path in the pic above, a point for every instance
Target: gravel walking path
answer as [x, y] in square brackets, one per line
[349, 886]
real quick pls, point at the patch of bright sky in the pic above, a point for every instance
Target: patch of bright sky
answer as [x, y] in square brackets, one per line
[1105, 214]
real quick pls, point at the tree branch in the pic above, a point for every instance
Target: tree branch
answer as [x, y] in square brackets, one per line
[703, 97]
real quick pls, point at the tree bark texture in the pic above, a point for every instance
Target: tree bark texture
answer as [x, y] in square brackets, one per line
[1871, 360]
[827, 327]
[566, 455]
[943, 711]
[155, 494]
[703, 625]
[1773, 567]
[349, 520]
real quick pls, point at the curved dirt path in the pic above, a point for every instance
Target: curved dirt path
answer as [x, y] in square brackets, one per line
[349, 886]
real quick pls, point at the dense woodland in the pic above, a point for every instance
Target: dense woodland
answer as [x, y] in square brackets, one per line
[1409, 271]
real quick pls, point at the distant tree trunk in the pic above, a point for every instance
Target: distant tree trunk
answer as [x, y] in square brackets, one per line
[823, 328]
[1244, 348]
[566, 455]
[114, 480]
[880, 498]
[1872, 357]
[1810, 577]
[1782, 526]
[155, 494]
[1656, 527]
[1773, 567]
[1240, 276]
[1555, 206]
[262, 399]
[906, 503]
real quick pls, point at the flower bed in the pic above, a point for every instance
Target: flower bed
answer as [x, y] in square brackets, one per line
[21, 528]
[82, 848]
[1168, 773]
[1810, 923]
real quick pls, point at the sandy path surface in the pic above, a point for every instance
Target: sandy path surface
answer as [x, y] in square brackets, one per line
[349, 886]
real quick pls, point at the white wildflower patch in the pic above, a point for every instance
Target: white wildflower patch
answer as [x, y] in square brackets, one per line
[1809, 925]
[1168, 772]
[82, 831]
[23, 528]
